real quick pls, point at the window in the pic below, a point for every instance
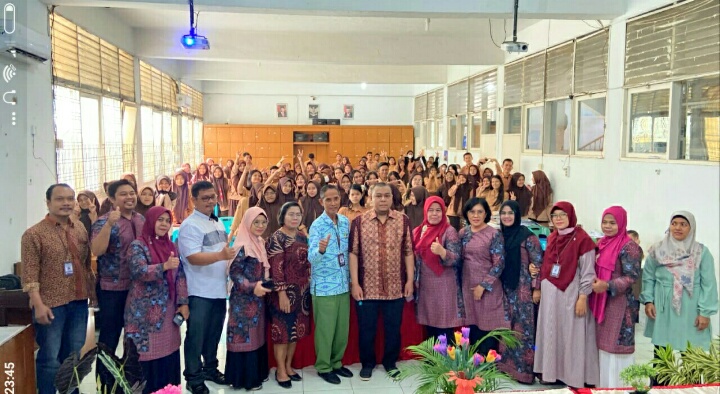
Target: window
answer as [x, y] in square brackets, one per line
[700, 120]
[90, 123]
[457, 101]
[452, 132]
[69, 138]
[649, 122]
[432, 134]
[129, 118]
[513, 120]
[168, 151]
[590, 125]
[146, 123]
[477, 121]
[198, 136]
[421, 107]
[534, 128]
[463, 132]
[112, 138]
[558, 127]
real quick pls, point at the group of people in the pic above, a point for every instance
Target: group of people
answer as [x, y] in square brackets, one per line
[308, 239]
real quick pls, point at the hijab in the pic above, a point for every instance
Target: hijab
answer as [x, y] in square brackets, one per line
[462, 194]
[541, 192]
[183, 197]
[160, 247]
[514, 237]
[221, 185]
[159, 193]
[132, 177]
[681, 258]
[142, 208]
[272, 209]
[425, 234]
[85, 213]
[312, 208]
[416, 213]
[473, 180]
[254, 245]
[197, 177]
[444, 188]
[281, 195]
[609, 249]
[523, 196]
[565, 247]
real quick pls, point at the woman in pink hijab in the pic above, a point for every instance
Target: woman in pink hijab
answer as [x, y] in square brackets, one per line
[612, 302]
[247, 357]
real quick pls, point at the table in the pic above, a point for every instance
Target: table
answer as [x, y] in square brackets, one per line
[17, 348]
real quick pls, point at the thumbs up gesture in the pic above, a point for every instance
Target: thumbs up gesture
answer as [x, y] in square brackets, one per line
[114, 216]
[437, 248]
[324, 243]
[227, 253]
[171, 263]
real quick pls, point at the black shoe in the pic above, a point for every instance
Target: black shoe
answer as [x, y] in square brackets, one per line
[216, 377]
[344, 372]
[295, 377]
[366, 373]
[287, 384]
[391, 370]
[199, 388]
[329, 377]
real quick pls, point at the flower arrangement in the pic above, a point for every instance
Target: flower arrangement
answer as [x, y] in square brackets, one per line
[169, 389]
[638, 376]
[456, 368]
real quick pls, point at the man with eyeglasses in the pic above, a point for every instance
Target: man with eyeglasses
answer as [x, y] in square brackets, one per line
[204, 253]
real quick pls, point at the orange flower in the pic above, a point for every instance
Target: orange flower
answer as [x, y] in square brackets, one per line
[464, 386]
[458, 336]
[451, 352]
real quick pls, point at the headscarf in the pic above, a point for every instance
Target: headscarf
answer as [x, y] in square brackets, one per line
[255, 189]
[272, 209]
[514, 237]
[473, 180]
[183, 197]
[540, 192]
[132, 176]
[254, 245]
[228, 169]
[462, 194]
[444, 188]
[85, 213]
[609, 249]
[312, 208]
[681, 258]
[159, 192]
[197, 177]
[221, 186]
[565, 247]
[142, 208]
[523, 196]
[159, 247]
[416, 213]
[281, 195]
[425, 234]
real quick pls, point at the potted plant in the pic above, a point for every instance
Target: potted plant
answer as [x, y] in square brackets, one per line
[694, 365]
[638, 376]
[456, 367]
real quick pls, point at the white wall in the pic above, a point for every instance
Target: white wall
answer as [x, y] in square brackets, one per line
[649, 190]
[254, 102]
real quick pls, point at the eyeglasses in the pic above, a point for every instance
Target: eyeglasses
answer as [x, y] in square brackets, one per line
[208, 198]
[511, 213]
[558, 215]
[260, 224]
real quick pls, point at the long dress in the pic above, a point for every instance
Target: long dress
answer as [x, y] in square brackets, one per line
[439, 298]
[518, 362]
[290, 270]
[483, 257]
[616, 334]
[149, 313]
[247, 359]
[566, 349]
[669, 327]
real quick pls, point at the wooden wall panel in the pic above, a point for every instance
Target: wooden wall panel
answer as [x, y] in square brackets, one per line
[210, 134]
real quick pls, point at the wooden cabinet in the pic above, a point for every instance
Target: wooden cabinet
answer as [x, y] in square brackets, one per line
[17, 349]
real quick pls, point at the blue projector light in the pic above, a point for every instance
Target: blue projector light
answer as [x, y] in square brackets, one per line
[193, 41]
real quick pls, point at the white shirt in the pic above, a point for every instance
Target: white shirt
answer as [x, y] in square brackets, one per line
[199, 234]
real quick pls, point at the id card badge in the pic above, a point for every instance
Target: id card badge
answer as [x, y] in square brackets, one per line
[555, 272]
[341, 260]
[68, 268]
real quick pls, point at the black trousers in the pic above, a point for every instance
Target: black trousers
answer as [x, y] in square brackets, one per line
[112, 305]
[488, 344]
[204, 328]
[367, 315]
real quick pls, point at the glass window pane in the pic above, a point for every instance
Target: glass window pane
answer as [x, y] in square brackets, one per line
[148, 148]
[533, 130]
[90, 119]
[157, 128]
[513, 120]
[591, 125]
[477, 129]
[452, 132]
[112, 138]
[558, 130]
[649, 121]
[432, 135]
[463, 132]
[490, 126]
[129, 147]
[69, 131]
[700, 124]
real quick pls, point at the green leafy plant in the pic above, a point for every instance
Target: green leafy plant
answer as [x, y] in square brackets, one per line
[457, 369]
[126, 372]
[694, 365]
[638, 376]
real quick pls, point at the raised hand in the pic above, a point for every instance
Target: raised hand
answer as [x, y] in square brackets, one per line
[512, 196]
[437, 248]
[114, 216]
[171, 263]
[227, 253]
[324, 244]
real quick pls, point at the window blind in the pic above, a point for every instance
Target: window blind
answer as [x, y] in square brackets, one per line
[89, 58]
[421, 106]
[110, 69]
[432, 108]
[169, 96]
[483, 91]
[513, 83]
[439, 102]
[674, 43]
[159, 90]
[127, 75]
[457, 101]
[533, 81]
[590, 70]
[655, 103]
[559, 71]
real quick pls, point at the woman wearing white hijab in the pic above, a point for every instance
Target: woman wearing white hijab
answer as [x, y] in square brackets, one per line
[679, 287]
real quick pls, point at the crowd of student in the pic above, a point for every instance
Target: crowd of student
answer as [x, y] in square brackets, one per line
[309, 238]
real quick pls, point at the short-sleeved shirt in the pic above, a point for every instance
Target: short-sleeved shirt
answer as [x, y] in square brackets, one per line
[381, 250]
[329, 273]
[114, 264]
[199, 233]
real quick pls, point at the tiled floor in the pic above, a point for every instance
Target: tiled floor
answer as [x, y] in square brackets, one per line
[379, 384]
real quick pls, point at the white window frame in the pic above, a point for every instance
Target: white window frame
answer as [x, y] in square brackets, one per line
[525, 109]
[546, 116]
[576, 125]
[673, 113]
[449, 129]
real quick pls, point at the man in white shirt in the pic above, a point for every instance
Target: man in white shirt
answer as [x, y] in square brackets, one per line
[204, 254]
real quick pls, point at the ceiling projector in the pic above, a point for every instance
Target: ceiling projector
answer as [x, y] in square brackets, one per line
[515, 46]
[194, 41]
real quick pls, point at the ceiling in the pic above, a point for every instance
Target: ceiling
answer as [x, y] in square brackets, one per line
[333, 41]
